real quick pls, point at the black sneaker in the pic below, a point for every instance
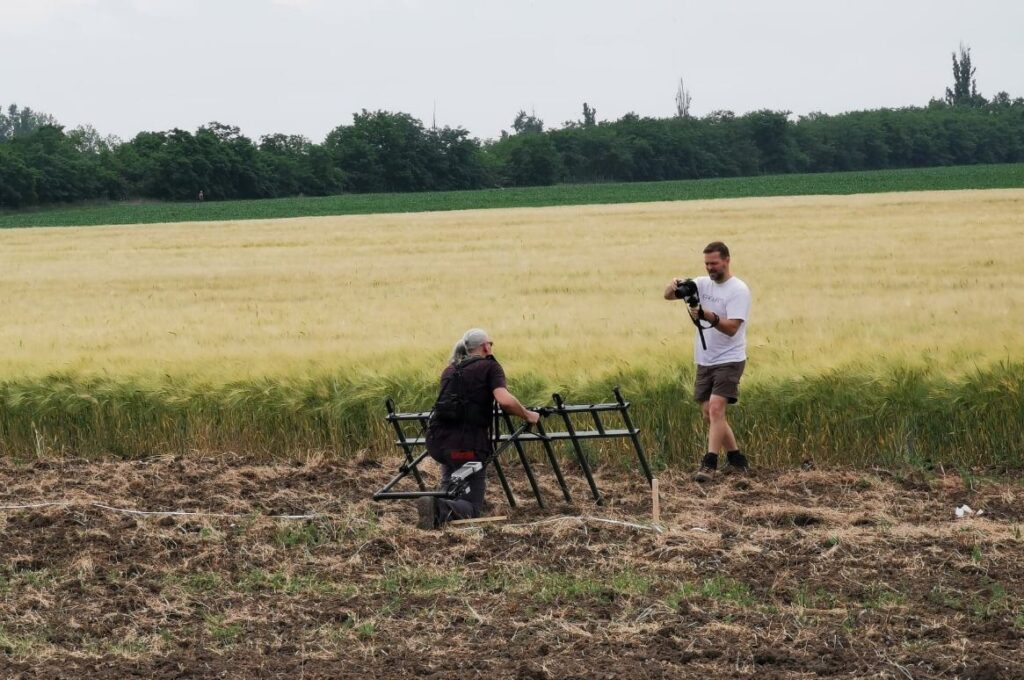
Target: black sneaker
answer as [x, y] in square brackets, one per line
[708, 468]
[427, 509]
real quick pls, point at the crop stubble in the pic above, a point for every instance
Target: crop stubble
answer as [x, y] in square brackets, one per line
[835, 572]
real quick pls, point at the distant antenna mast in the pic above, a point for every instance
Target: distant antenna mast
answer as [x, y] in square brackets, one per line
[433, 120]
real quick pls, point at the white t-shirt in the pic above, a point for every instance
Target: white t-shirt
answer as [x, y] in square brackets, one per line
[730, 300]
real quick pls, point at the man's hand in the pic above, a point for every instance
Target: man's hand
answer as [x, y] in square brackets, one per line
[694, 312]
[532, 417]
[670, 289]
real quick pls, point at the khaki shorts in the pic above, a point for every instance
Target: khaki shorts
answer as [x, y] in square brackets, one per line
[722, 380]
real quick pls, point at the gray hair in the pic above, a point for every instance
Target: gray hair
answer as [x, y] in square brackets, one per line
[471, 339]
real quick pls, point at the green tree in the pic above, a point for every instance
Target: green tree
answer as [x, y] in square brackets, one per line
[18, 122]
[683, 100]
[228, 164]
[965, 89]
[381, 151]
[456, 160]
[525, 123]
[772, 133]
[60, 172]
[287, 160]
[17, 183]
[589, 116]
[88, 141]
[325, 178]
[531, 160]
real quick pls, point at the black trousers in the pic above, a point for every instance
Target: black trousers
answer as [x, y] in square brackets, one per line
[467, 506]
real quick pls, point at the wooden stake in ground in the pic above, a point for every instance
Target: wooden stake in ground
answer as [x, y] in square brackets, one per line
[655, 501]
[479, 520]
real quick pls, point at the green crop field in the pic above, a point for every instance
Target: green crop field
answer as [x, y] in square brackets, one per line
[885, 327]
[840, 183]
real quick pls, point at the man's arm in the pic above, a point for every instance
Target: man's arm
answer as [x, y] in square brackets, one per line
[509, 404]
[728, 326]
[670, 289]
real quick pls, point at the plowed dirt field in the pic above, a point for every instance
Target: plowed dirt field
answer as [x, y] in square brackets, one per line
[796, 573]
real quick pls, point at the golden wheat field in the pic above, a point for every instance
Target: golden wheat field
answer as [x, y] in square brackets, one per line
[929, 278]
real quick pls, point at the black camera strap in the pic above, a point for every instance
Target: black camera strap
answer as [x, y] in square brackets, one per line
[700, 329]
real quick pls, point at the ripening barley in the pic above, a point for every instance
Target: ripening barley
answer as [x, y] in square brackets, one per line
[860, 285]
[924, 278]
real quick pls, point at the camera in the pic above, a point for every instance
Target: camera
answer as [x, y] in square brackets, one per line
[687, 290]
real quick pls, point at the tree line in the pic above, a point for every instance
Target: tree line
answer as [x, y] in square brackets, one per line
[381, 151]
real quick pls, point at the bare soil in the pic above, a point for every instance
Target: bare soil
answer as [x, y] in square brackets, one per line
[778, 574]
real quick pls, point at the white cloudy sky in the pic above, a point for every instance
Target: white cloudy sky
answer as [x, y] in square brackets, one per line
[304, 66]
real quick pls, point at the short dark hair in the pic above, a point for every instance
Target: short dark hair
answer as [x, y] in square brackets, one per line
[717, 247]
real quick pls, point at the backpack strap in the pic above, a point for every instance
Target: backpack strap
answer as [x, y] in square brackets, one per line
[458, 370]
[467, 361]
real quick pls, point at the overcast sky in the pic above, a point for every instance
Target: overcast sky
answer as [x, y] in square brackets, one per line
[304, 66]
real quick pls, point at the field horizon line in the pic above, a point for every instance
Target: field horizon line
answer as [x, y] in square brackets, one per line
[138, 211]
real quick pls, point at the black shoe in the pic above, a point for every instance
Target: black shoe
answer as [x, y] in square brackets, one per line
[427, 509]
[736, 462]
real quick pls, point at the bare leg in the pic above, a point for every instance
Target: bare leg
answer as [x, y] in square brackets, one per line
[720, 434]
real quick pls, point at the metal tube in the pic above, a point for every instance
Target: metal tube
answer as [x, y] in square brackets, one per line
[497, 467]
[548, 449]
[504, 483]
[392, 495]
[580, 456]
[403, 472]
[633, 432]
[514, 438]
[406, 447]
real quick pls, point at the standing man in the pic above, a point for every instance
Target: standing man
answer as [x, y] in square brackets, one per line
[460, 428]
[721, 310]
